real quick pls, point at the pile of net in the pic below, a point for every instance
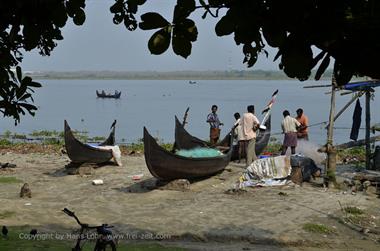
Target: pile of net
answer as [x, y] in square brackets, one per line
[199, 152]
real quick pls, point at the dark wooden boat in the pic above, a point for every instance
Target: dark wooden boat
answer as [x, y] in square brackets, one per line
[184, 140]
[79, 152]
[166, 165]
[104, 95]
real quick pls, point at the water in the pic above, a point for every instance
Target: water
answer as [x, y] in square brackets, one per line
[153, 103]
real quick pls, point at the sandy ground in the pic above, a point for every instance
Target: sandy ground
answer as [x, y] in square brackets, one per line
[204, 218]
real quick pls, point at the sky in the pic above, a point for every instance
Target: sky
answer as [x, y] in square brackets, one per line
[101, 45]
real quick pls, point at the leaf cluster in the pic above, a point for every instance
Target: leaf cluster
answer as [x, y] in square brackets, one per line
[345, 31]
[28, 25]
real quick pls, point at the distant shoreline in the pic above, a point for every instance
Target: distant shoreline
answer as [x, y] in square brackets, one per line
[170, 75]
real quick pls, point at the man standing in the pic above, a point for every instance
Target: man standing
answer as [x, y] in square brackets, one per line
[289, 127]
[215, 123]
[239, 136]
[250, 124]
[303, 129]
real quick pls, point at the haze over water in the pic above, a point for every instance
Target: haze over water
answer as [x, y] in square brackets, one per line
[153, 103]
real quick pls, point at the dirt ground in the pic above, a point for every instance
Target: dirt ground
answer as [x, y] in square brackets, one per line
[203, 218]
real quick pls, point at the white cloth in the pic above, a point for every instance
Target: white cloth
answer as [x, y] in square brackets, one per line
[116, 153]
[266, 172]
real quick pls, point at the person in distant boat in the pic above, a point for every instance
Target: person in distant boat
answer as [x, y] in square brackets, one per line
[250, 124]
[215, 123]
[304, 121]
[238, 132]
[289, 127]
[103, 92]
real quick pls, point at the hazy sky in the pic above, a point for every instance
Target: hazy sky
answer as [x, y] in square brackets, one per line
[101, 45]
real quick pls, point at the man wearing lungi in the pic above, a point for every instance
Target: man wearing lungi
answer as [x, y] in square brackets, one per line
[215, 123]
[289, 128]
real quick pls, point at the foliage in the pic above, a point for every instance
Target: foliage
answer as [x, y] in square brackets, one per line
[9, 180]
[354, 154]
[28, 25]
[343, 30]
[317, 228]
[353, 210]
[274, 146]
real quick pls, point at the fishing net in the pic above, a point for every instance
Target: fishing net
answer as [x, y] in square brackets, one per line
[200, 152]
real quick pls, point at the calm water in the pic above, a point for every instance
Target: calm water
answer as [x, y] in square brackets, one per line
[153, 103]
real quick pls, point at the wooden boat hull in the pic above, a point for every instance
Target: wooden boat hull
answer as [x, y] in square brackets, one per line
[184, 140]
[100, 95]
[79, 152]
[166, 165]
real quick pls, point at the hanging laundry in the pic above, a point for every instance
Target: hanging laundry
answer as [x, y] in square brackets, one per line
[356, 121]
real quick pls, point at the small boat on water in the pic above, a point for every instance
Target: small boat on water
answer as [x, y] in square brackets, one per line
[102, 94]
[166, 165]
[192, 82]
[79, 152]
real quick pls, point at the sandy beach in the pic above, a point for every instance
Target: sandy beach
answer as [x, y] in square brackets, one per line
[204, 218]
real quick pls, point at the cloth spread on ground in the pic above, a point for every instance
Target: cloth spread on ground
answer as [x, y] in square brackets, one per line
[271, 171]
[116, 153]
[356, 121]
[199, 152]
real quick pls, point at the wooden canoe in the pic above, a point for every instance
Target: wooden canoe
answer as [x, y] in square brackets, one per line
[165, 165]
[104, 95]
[79, 152]
[184, 140]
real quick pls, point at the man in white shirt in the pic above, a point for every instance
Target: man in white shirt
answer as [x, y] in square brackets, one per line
[289, 127]
[250, 124]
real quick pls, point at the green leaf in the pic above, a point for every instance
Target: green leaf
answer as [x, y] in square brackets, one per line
[188, 29]
[225, 26]
[26, 96]
[19, 73]
[26, 81]
[159, 41]
[322, 68]
[317, 58]
[274, 37]
[34, 84]
[136, 2]
[79, 17]
[117, 7]
[152, 20]
[181, 45]
[183, 9]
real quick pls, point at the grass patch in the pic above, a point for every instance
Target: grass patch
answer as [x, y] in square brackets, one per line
[317, 228]
[353, 210]
[6, 214]
[9, 180]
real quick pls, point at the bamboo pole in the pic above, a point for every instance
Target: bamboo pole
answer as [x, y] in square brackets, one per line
[368, 129]
[355, 97]
[330, 150]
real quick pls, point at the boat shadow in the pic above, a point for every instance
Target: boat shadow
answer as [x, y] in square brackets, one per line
[79, 169]
[153, 183]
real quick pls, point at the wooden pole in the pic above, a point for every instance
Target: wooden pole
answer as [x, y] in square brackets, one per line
[355, 97]
[367, 129]
[330, 150]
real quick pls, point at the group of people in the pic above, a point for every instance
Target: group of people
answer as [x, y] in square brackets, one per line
[245, 129]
